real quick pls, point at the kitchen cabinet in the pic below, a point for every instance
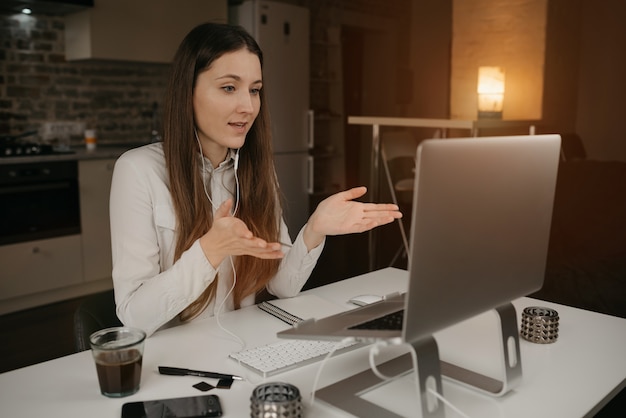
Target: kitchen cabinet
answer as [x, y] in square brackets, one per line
[38, 266]
[38, 272]
[94, 185]
[137, 30]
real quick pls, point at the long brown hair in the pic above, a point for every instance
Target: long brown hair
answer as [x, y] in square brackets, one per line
[259, 205]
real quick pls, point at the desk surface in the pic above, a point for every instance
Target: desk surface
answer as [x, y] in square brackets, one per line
[439, 123]
[571, 378]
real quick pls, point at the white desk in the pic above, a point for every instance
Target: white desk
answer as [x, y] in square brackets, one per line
[570, 378]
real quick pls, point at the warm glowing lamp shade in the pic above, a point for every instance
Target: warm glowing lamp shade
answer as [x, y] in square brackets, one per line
[490, 92]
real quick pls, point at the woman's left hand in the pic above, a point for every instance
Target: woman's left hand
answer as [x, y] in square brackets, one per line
[339, 214]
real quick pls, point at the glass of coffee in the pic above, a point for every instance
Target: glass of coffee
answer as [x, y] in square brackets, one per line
[118, 353]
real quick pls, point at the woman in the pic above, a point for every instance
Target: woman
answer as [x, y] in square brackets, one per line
[196, 221]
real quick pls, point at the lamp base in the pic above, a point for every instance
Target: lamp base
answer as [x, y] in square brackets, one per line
[489, 114]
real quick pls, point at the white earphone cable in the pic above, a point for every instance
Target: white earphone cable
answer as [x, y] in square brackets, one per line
[236, 165]
[319, 369]
[236, 184]
[232, 264]
[203, 169]
[221, 306]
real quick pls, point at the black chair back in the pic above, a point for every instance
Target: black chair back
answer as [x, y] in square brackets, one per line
[94, 313]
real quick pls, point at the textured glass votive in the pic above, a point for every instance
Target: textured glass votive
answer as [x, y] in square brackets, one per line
[540, 325]
[275, 400]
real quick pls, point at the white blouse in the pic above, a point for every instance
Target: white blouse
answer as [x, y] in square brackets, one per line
[150, 288]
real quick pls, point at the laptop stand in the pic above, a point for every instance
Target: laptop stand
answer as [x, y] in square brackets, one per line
[347, 393]
[511, 359]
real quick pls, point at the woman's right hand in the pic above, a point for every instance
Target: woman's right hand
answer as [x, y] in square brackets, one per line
[230, 236]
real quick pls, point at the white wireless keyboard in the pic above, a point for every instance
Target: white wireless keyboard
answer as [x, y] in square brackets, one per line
[278, 357]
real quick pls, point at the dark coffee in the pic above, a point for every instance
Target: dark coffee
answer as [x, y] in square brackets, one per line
[119, 372]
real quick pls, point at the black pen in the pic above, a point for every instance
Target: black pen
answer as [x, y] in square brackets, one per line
[176, 371]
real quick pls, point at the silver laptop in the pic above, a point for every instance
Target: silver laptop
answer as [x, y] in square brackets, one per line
[482, 210]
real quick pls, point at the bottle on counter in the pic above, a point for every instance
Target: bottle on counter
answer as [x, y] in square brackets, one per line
[90, 139]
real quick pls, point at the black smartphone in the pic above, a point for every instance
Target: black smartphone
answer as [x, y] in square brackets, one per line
[189, 407]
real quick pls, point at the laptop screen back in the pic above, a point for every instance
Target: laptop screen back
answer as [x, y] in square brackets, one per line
[480, 226]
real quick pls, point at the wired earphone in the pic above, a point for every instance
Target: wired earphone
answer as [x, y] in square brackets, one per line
[232, 264]
[236, 166]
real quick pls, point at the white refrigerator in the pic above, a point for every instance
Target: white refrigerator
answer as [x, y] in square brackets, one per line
[282, 31]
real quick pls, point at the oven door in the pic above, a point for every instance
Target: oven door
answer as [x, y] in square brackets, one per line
[38, 200]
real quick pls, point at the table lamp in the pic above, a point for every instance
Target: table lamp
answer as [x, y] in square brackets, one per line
[490, 92]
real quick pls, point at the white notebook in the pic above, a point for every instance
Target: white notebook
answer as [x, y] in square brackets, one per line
[300, 308]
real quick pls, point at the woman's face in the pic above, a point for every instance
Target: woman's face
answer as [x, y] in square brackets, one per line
[226, 101]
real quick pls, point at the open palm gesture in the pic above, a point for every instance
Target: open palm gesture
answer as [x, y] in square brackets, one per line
[340, 214]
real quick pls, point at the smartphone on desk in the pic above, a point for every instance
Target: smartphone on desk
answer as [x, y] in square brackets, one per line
[189, 407]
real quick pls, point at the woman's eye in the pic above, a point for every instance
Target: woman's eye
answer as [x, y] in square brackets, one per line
[228, 89]
[255, 92]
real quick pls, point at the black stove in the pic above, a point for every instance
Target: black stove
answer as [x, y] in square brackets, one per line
[15, 146]
[25, 149]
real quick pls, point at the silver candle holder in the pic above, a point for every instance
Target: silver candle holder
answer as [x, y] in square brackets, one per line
[275, 400]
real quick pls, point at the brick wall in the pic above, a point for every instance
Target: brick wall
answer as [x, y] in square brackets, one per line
[38, 85]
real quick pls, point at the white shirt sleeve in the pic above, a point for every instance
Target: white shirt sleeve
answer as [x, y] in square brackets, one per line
[149, 290]
[295, 267]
